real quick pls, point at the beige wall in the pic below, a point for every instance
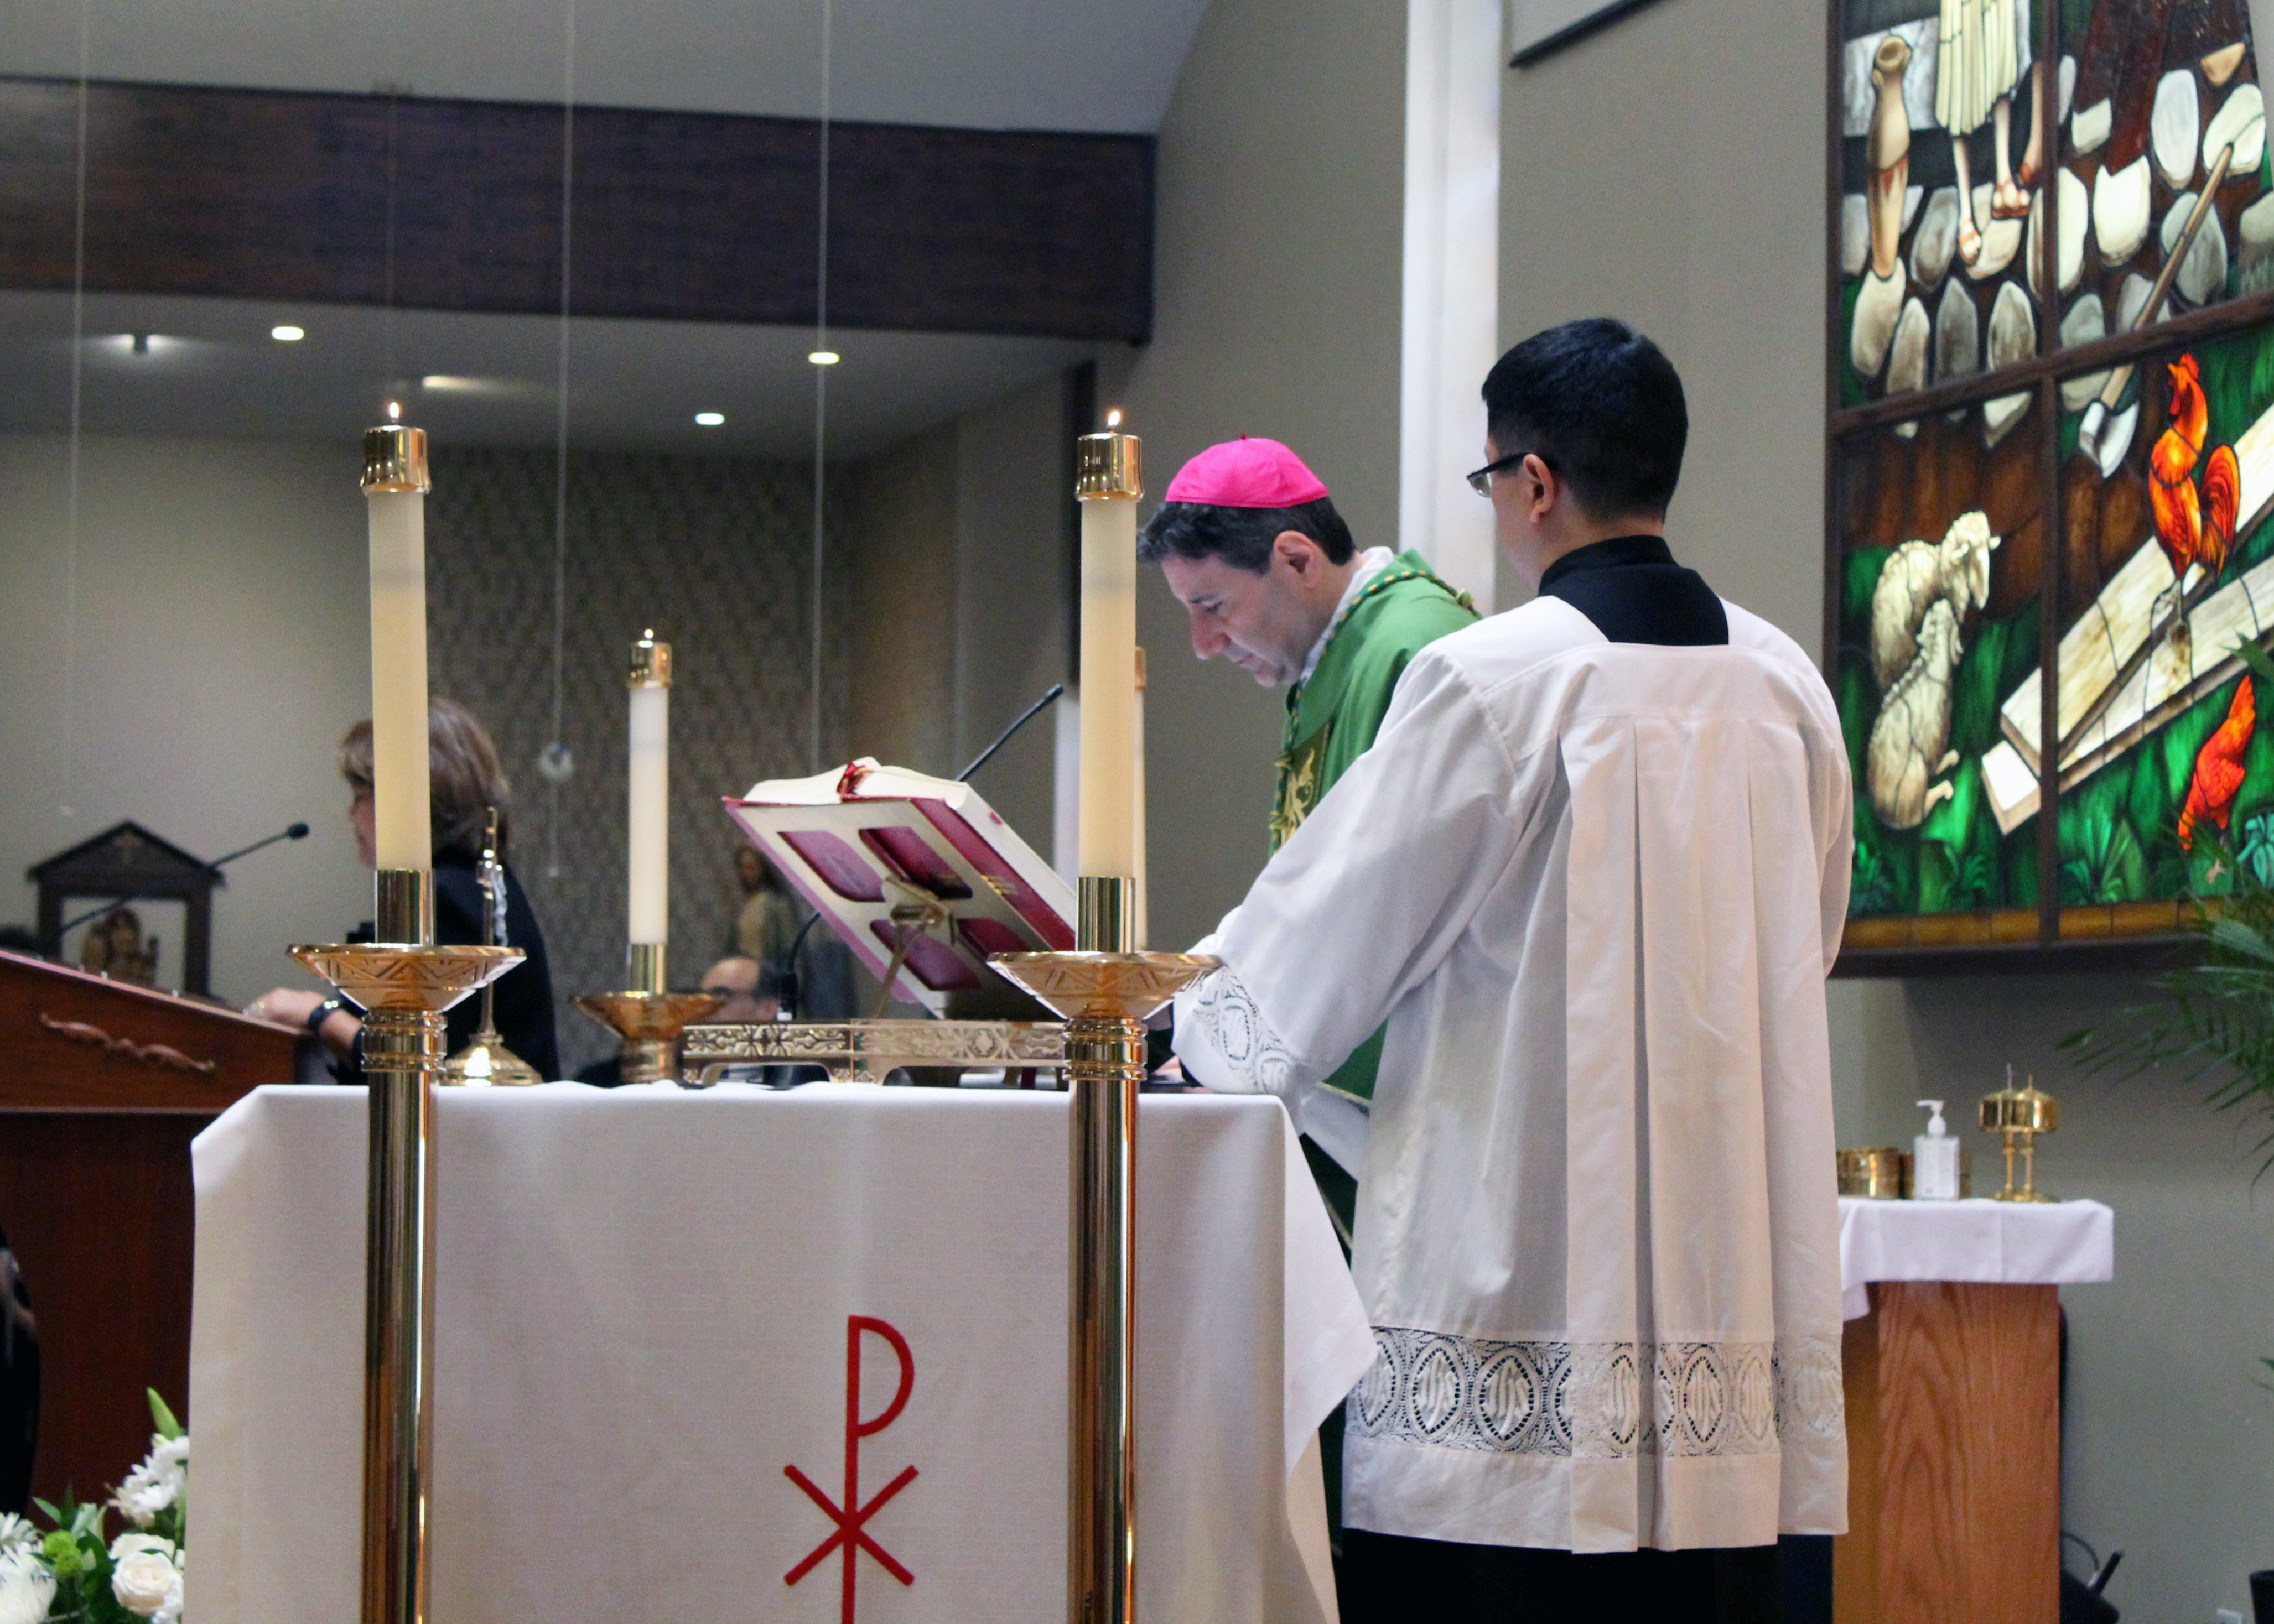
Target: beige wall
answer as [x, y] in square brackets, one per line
[1671, 171]
[1012, 509]
[222, 652]
[956, 548]
[901, 547]
[1280, 231]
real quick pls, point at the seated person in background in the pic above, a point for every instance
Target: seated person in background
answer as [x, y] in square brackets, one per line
[749, 991]
[467, 781]
[737, 978]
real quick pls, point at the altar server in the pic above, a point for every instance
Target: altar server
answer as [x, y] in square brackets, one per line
[1592, 872]
[1250, 542]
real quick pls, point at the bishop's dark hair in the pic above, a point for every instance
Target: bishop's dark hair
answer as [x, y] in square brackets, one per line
[1602, 406]
[1242, 537]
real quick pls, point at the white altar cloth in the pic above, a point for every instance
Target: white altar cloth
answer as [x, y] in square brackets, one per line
[1994, 1243]
[643, 1311]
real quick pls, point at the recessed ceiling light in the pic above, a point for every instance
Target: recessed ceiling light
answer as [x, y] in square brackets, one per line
[710, 419]
[288, 334]
[824, 357]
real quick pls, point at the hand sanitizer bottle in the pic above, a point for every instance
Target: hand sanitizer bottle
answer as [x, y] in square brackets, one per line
[1934, 1159]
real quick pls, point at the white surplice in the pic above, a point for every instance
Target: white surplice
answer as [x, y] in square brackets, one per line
[1594, 889]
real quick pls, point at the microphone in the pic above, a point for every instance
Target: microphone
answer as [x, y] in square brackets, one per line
[294, 832]
[1028, 715]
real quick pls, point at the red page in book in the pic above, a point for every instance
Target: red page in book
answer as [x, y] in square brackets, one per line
[854, 859]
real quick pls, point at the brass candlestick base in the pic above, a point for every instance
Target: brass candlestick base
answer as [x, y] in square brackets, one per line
[1105, 998]
[487, 1063]
[404, 991]
[649, 1024]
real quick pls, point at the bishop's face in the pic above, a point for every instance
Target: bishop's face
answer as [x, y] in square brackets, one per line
[1265, 624]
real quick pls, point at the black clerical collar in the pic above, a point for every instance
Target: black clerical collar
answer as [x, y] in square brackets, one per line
[1632, 589]
[1613, 554]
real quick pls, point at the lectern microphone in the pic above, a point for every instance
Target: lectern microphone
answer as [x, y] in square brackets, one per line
[293, 832]
[1003, 738]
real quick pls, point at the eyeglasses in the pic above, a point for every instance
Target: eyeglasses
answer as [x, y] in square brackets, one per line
[1481, 482]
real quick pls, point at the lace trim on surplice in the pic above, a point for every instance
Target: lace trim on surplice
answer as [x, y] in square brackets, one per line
[1598, 1400]
[1228, 1019]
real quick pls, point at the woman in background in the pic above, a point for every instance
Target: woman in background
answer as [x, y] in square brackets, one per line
[467, 781]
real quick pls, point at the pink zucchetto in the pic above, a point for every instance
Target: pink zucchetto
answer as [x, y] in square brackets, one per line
[1246, 473]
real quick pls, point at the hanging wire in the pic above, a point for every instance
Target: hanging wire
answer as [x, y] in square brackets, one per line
[387, 288]
[78, 370]
[556, 763]
[820, 377]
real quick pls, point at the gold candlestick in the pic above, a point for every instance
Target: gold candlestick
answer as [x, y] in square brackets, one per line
[404, 984]
[1104, 991]
[649, 1024]
[647, 1019]
[2019, 1115]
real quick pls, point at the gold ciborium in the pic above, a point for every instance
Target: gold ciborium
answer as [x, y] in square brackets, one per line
[2019, 1115]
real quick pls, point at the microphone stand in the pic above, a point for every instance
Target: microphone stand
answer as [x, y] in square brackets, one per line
[297, 831]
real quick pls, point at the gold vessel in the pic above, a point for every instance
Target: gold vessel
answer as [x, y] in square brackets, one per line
[2018, 1115]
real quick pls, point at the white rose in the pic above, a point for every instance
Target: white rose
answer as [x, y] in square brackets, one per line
[27, 1588]
[146, 1572]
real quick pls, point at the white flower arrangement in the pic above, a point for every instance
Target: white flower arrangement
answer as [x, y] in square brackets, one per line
[71, 1576]
[27, 1585]
[158, 1484]
[146, 1575]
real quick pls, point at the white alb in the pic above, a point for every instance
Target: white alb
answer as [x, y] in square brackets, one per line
[1594, 889]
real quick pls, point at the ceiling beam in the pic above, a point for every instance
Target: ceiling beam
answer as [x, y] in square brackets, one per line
[447, 205]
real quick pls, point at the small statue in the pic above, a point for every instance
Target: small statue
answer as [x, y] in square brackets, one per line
[113, 947]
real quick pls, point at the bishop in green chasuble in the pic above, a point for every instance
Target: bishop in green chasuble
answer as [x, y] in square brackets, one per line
[1333, 714]
[1251, 544]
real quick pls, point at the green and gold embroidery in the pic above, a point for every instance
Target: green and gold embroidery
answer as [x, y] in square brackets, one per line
[1299, 785]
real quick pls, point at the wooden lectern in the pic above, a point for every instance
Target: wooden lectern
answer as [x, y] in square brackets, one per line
[102, 1085]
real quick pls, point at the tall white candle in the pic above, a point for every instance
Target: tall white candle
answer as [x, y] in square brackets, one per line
[1108, 488]
[1137, 798]
[395, 490]
[649, 911]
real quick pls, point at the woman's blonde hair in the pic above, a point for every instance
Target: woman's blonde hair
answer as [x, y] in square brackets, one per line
[466, 776]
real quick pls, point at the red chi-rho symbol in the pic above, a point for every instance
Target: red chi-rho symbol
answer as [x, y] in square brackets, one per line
[852, 1517]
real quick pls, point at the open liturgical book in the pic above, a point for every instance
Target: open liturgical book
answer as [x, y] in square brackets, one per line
[917, 868]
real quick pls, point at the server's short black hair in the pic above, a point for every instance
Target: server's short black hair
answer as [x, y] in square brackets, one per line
[1602, 406]
[1242, 537]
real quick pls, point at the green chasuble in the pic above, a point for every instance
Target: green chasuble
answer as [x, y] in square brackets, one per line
[1333, 715]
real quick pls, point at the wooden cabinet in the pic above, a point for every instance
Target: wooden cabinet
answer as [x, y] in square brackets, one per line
[1954, 1457]
[102, 1085]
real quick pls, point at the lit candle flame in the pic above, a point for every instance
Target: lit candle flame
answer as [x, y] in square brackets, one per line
[394, 411]
[1113, 419]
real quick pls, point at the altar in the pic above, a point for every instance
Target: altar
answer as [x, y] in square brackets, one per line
[737, 1353]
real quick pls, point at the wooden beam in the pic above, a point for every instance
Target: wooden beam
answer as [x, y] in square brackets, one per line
[681, 216]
